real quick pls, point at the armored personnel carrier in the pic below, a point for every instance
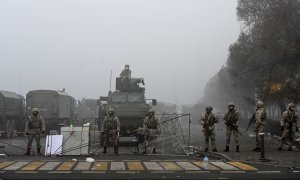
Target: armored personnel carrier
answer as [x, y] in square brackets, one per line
[129, 103]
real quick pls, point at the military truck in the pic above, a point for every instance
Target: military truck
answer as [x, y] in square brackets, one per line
[129, 103]
[56, 107]
[11, 114]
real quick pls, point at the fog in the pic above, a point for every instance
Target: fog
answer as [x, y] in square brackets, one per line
[175, 45]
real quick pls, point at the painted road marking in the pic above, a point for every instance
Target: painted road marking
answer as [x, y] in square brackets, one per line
[32, 166]
[60, 172]
[233, 172]
[15, 166]
[188, 166]
[225, 166]
[170, 166]
[153, 166]
[26, 172]
[66, 166]
[135, 166]
[49, 166]
[268, 172]
[5, 164]
[242, 166]
[117, 166]
[210, 166]
[83, 166]
[100, 166]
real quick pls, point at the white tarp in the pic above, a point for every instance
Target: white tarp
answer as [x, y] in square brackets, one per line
[53, 145]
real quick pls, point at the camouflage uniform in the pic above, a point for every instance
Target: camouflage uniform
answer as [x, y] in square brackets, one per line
[35, 125]
[232, 120]
[288, 125]
[126, 73]
[151, 130]
[259, 123]
[208, 120]
[110, 130]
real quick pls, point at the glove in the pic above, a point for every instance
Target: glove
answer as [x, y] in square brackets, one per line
[27, 133]
[43, 132]
[282, 128]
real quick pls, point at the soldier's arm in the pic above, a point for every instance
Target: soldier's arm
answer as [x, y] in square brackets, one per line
[26, 126]
[118, 124]
[103, 124]
[238, 116]
[145, 123]
[43, 124]
[258, 117]
[216, 119]
[201, 119]
[283, 117]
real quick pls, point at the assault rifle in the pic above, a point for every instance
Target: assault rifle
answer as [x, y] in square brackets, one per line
[251, 121]
[235, 128]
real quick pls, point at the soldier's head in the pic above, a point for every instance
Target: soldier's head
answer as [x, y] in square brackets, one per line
[151, 112]
[231, 106]
[126, 66]
[259, 104]
[35, 111]
[111, 112]
[291, 107]
[208, 109]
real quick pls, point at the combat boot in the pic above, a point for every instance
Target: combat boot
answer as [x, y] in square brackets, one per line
[226, 149]
[38, 151]
[116, 150]
[104, 150]
[214, 150]
[237, 148]
[279, 148]
[27, 152]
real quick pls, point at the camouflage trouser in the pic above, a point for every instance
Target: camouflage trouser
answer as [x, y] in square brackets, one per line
[110, 137]
[37, 140]
[210, 134]
[286, 137]
[258, 129]
[230, 131]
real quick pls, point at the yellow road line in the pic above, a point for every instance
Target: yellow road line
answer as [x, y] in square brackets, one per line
[100, 166]
[5, 164]
[170, 166]
[32, 166]
[66, 166]
[243, 166]
[135, 166]
[210, 167]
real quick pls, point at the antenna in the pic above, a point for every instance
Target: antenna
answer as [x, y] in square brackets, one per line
[110, 80]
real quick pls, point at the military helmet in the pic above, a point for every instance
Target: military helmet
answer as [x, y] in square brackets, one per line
[209, 108]
[127, 66]
[291, 105]
[230, 104]
[151, 111]
[35, 110]
[111, 109]
[259, 104]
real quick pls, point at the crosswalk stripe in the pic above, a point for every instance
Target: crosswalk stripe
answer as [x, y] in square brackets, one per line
[188, 166]
[5, 164]
[66, 166]
[170, 166]
[210, 167]
[153, 166]
[225, 166]
[83, 166]
[243, 166]
[32, 166]
[15, 166]
[49, 166]
[100, 166]
[135, 166]
[117, 166]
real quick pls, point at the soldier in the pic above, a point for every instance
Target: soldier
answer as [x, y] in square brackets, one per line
[126, 73]
[232, 120]
[259, 122]
[35, 125]
[208, 121]
[111, 129]
[151, 130]
[288, 126]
